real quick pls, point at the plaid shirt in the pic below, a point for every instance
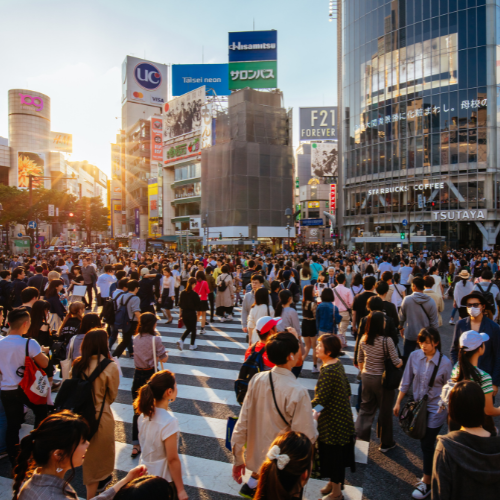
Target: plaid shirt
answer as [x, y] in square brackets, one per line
[47, 487]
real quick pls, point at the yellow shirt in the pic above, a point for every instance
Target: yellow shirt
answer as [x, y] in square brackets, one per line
[217, 272]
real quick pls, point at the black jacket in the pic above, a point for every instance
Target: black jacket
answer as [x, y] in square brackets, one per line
[17, 287]
[38, 281]
[55, 306]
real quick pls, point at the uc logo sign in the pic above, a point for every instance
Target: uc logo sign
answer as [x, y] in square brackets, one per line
[147, 76]
[29, 100]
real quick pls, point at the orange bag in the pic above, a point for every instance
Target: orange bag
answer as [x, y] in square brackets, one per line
[35, 382]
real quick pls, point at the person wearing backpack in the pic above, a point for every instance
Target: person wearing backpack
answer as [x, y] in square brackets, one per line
[12, 357]
[128, 312]
[489, 291]
[260, 308]
[189, 305]
[96, 365]
[224, 301]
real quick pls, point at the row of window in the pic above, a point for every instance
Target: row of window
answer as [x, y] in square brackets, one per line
[191, 171]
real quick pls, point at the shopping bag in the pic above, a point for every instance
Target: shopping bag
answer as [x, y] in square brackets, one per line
[66, 363]
[35, 383]
[231, 422]
[180, 323]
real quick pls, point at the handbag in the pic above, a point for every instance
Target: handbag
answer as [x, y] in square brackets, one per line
[231, 423]
[34, 382]
[392, 376]
[154, 356]
[413, 416]
[180, 323]
[66, 363]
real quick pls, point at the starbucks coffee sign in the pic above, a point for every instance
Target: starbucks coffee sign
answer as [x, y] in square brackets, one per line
[459, 215]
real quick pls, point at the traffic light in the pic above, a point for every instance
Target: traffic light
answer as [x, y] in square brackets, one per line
[220, 236]
[403, 236]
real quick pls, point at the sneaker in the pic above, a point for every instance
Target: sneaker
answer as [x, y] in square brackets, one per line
[421, 490]
[230, 317]
[222, 319]
[385, 449]
[452, 321]
[180, 344]
[247, 492]
[202, 331]
[102, 484]
[193, 347]
[314, 369]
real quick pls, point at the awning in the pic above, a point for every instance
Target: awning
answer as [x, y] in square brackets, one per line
[169, 238]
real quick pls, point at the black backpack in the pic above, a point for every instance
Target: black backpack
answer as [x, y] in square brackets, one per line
[77, 395]
[488, 296]
[109, 310]
[122, 320]
[222, 285]
[253, 365]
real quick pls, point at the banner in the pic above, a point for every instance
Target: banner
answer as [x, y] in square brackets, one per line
[206, 126]
[116, 217]
[156, 139]
[182, 115]
[153, 230]
[31, 163]
[188, 190]
[333, 198]
[137, 222]
[183, 151]
[324, 159]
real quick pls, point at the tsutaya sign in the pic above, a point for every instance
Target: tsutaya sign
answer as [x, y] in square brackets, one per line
[402, 189]
[460, 215]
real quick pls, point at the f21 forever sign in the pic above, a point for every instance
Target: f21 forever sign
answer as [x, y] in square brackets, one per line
[318, 124]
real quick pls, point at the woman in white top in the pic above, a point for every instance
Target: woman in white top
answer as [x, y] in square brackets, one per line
[398, 291]
[167, 287]
[463, 286]
[159, 430]
[260, 308]
[438, 283]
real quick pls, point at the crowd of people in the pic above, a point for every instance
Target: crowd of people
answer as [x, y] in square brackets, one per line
[67, 321]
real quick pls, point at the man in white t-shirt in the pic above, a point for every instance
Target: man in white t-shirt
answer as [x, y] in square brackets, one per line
[12, 358]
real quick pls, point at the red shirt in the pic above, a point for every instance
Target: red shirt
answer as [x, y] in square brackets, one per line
[202, 289]
[258, 347]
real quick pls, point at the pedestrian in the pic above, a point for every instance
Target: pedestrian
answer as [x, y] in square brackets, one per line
[159, 429]
[145, 340]
[359, 310]
[100, 454]
[343, 299]
[189, 305]
[374, 348]
[398, 291]
[89, 279]
[467, 461]
[202, 289]
[462, 286]
[88, 322]
[167, 287]
[327, 314]
[224, 300]
[286, 469]
[57, 446]
[427, 370]
[132, 303]
[436, 296]
[260, 308]
[336, 439]
[305, 275]
[309, 330]
[57, 310]
[357, 284]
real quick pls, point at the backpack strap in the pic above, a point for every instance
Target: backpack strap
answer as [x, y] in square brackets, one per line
[98, 370]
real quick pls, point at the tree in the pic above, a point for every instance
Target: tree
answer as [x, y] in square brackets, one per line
[91, 215]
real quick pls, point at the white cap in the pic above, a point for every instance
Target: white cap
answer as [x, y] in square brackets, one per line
[471, 340]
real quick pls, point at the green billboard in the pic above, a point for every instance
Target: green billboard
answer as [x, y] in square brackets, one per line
[256, 75]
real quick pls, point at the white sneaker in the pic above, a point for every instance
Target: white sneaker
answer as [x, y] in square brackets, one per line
[421, 490]
[202, 331]
[230, 317]
[452, 321]
[180, 345]
[314, 369]
[222, 319]
[193, 347]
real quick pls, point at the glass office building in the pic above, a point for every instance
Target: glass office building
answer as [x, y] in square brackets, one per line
[419, 94]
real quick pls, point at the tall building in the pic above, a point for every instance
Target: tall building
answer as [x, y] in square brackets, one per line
[418, 143]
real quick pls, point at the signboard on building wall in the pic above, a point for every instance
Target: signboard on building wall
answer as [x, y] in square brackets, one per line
[192, 189]
[137, 222]
[318, 123]
[333, 198]
[156, 139]
[187, 77]
[29, 162]
[324, 159]
[253, 46]
[153, 207]
[108, 205]
[206, 126]
[256, 75]
[61, 142]
[182, 151]
[182, 115]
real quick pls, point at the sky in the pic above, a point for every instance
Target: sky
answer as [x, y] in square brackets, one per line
[73, 51]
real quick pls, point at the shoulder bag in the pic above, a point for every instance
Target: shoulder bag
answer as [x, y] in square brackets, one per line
[343, 303]
[274, 398]
[413, 416]
[392, 376]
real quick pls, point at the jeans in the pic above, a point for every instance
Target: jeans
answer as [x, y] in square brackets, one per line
[428, 445]
[13, 403]
[126, 340]
[190, 318]
[140, 378]
[408, 347]
[453, 312]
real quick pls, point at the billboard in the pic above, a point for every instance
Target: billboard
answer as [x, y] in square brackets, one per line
[144, 82]
[206, 126]
[187, 77]
[156, 138]
[182, 115]
[137, 222]
[253, 46]
[61, 142]
[333, 198]
[318, 123]
[256, 75]
[29, 162]
[324, 159]
[153, 229]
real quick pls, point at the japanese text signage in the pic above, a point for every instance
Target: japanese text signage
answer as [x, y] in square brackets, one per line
[182, 151]
[333, 198]
[318, 123]
[156, 139]
[256, 75]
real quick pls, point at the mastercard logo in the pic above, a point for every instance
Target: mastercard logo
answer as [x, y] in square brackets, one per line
[138, 95]
[166, 107]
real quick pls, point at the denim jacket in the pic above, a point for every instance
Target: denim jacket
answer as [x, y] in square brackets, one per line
[324, 317]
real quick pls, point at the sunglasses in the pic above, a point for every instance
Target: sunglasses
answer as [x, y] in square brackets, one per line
[476, 304]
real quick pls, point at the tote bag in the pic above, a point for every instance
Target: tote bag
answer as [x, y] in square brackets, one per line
[35, 383]
[66, 363]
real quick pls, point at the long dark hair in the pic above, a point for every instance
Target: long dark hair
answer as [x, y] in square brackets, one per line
[153, 391]
[94, 343]
[52, 289]
[190, 284]
[285, 484]
[60, 431]
[74, 311]
[374, 326]
[200, 276]
[38, 318]
[147, 323]
[306, 270]
[466, 370]
[284, 296]
[89, 322]
[308, 294]
[261, 297]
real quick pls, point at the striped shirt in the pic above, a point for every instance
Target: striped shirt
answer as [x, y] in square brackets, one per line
[373, 355]
[486, 383]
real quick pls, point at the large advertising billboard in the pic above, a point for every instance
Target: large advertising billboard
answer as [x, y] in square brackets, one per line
[156, 138]
[153, 230]
[144, 81]
[253, 46]
[324, 159]
[188, 77]
[61, 142]
[182, 115]
[256, 75]
[31, 163]
[318, 123]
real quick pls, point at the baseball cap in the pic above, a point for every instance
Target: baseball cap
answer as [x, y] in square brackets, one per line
[265, 324]
[471, 340]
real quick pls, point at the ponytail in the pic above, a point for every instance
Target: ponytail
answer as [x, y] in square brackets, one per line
[25, 464]
[153, 391]
[284, 296]
[466, 370]
[190, 284]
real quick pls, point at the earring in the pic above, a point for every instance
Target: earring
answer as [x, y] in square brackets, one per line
[59, 469]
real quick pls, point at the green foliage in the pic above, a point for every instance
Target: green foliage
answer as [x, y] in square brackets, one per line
[91, 215]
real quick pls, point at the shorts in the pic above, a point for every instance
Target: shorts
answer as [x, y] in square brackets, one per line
[203, 306]
[309, 328]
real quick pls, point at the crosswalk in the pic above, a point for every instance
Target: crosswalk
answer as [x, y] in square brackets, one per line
[205, 400]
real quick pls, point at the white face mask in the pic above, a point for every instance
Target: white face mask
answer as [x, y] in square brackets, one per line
[474, 311]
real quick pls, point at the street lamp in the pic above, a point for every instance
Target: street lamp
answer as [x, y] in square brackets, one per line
[288, 215]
